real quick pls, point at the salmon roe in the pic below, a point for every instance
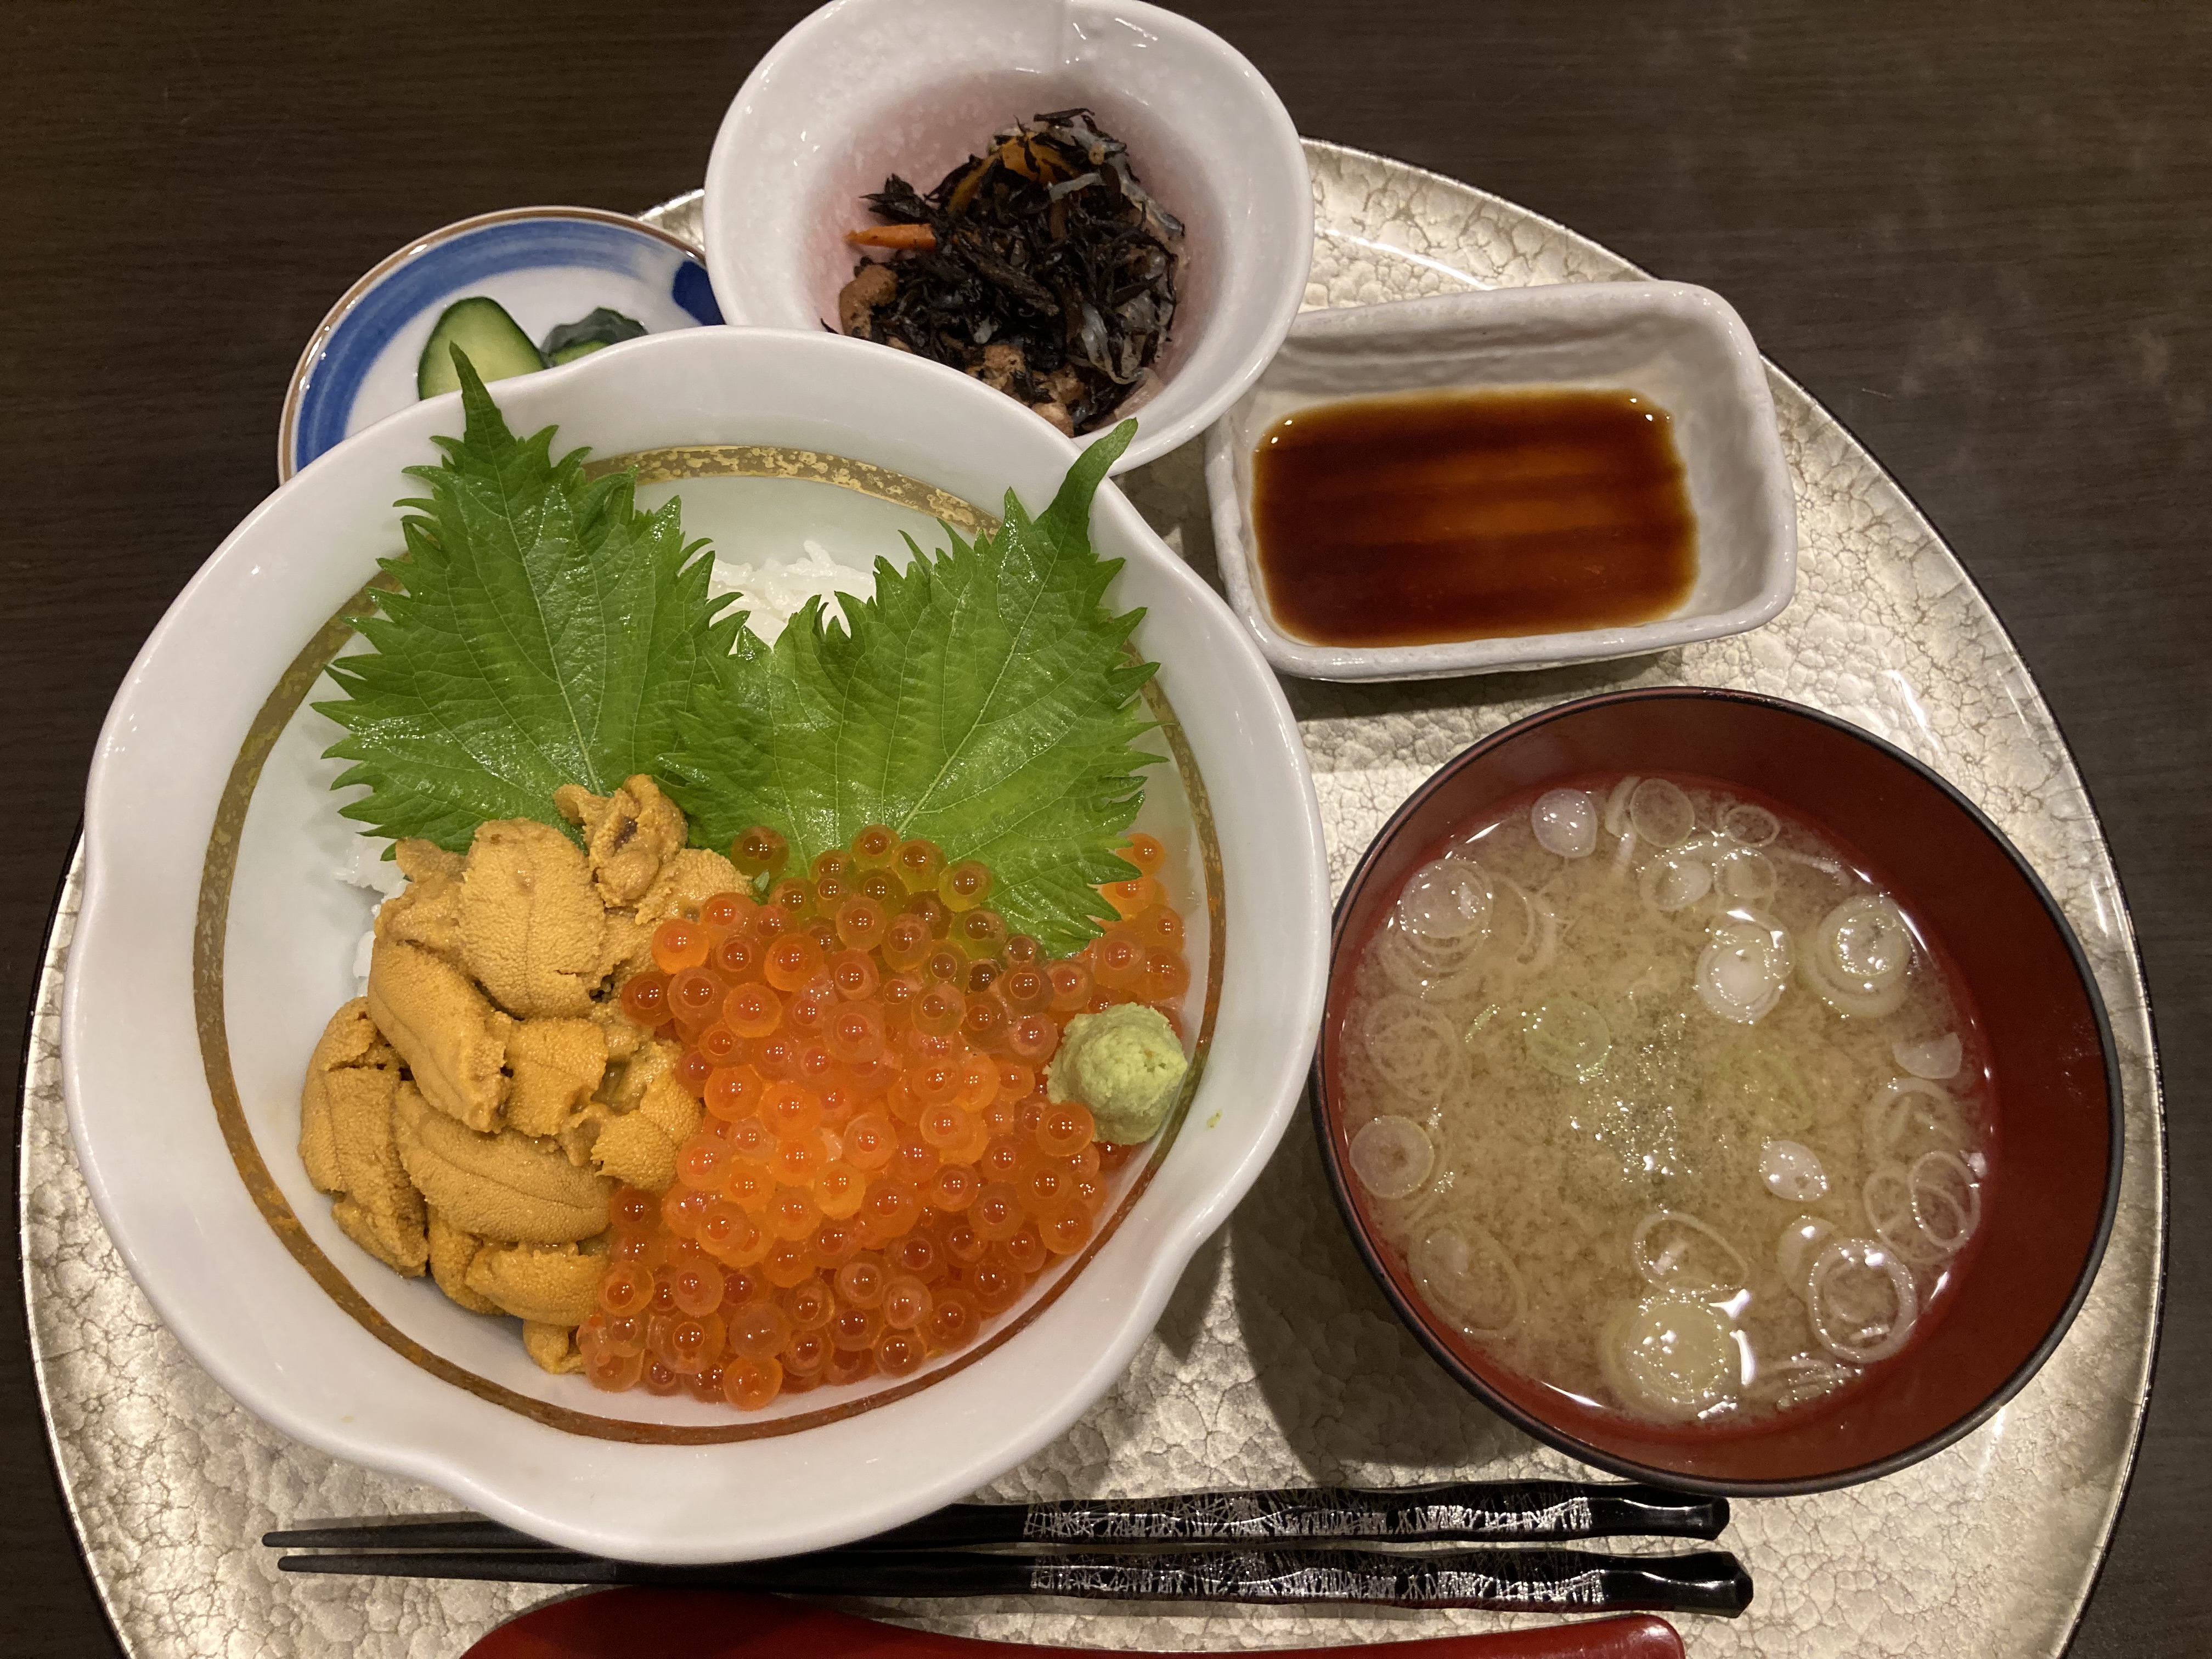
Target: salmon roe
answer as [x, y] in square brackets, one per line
[879, 1176]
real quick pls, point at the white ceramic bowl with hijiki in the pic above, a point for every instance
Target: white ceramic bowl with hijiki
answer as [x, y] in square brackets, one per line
[863, 89]
[216, 938]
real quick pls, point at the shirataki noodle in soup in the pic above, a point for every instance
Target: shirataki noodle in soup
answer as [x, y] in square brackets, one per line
[1665, 1103]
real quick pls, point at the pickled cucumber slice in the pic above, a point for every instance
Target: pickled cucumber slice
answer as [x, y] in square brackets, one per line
[601, 328]
[480, 326]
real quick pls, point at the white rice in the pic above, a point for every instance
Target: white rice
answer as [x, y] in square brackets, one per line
[772, 595]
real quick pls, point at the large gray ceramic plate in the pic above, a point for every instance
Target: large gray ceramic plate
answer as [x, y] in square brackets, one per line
[1278, 1363]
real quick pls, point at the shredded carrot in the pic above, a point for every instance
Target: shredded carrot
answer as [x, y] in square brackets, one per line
[916, 236]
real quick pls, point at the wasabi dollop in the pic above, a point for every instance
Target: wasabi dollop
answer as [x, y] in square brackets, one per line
[1125, 1063]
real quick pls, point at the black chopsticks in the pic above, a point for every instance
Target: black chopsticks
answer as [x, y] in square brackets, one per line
[1521, 1512]
[923, 1558]
[1525, 1511]
[1536, 1579]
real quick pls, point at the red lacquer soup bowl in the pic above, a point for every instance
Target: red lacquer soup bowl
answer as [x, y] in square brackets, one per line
[2057, 1129]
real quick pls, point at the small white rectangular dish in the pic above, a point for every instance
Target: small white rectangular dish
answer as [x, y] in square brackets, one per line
[1681, 345]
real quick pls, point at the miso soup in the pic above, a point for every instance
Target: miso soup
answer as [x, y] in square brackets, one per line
[1664, 1103]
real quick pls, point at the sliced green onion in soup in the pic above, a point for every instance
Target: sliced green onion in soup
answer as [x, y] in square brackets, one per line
[1792, 1170]
[1615, 817]
[1744, 875]
[1863, 1305]
[1674, 881]
[1568, 1038]
[1445, 906]
[1909, 1116]
[1414, 1046]
[1754, 826]
[1539, 941]
[1937, 1058]
[1661, 814]
[1744, 967]
[1413, 971]
[1867, 941]
[1859, 958]
[1392, 1157]
[1672, 1358]
[1796, 1379]
[1887, 1197]
[1678, 1251]
[1465, 1274]
[1796, 1251]
[1945, 1199]
[1564, 823]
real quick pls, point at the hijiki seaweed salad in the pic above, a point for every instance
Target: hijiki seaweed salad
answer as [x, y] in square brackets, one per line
[1043, 267]
[752, 1017]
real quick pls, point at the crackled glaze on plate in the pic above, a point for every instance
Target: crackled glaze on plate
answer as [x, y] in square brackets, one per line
[1278, 1361]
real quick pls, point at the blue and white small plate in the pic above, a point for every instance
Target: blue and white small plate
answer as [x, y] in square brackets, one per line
[546, 265]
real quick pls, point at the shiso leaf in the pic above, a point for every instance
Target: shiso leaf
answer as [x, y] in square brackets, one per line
[983, 698]
[545, 632]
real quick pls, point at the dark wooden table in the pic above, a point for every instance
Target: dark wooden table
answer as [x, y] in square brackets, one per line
[1977, 232]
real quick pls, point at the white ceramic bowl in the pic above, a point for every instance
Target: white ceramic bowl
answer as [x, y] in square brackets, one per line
[336, 1351]
[1682, 346]
[866, 88]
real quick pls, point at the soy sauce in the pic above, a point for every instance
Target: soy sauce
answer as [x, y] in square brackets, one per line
[1416, 519]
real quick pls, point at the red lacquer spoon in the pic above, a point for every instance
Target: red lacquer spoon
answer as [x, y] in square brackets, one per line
[680, 1624]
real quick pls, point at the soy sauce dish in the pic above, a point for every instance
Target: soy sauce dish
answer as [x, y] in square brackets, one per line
[1716, 1093]
[1513, 479]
